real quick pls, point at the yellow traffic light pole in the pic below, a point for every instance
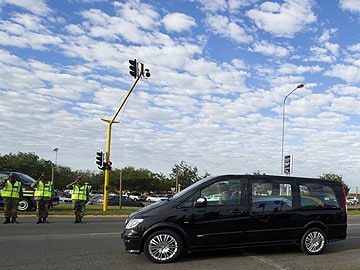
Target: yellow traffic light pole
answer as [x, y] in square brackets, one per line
[110, 122]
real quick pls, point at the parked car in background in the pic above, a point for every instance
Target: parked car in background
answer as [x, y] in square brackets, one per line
[156, 197]
[27, 202]
[113, 199]
[136, 196]
[64, 199]
[352, 200]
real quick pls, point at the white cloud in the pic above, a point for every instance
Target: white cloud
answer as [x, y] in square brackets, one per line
[289, 68]
[348, 73]
[226, 28]
[178, 22]
[37, 7]
[27, 31]
[283, 20]
[346, 105]
[267, 48]
[350, 5]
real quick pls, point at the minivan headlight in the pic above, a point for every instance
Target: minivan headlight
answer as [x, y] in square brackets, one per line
[133, 223]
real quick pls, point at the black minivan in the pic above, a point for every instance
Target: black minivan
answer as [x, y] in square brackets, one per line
[236, 211]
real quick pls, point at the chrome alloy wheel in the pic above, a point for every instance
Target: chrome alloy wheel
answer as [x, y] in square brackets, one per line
[163, 247]
[314, 242]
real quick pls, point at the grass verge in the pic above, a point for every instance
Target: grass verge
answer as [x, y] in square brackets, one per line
[97, 210]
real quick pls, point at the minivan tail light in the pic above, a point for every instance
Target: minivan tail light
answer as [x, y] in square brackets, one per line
[344, 199]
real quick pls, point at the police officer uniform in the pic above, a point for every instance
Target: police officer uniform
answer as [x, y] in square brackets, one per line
[79, 198]
[11, 194]
[42, 196]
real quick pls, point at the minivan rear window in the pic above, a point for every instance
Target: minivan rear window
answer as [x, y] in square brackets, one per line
[316, 196]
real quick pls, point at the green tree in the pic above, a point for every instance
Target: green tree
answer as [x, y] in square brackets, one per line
[335, 177]
[140, 180]
[27, 163]
[186, 174]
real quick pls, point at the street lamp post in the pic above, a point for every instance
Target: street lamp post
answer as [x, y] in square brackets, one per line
[53, 168]
[56, 150]
[283, 125]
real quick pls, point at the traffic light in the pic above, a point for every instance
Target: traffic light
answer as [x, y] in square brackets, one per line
[108, 165]
[100, 160]
[133, 68]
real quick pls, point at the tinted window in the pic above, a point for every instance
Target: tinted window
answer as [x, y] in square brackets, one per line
[3, 175]
[189, 202]
[315, 196]
[224, 192]
[24, 179]
[271, 196]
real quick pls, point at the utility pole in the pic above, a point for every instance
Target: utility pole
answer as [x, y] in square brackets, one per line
[137, 71]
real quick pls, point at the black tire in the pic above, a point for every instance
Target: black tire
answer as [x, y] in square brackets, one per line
[163, 246]
[313, 241]
[24, 205]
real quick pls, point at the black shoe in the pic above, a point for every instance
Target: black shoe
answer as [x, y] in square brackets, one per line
[45, 220]
[13, 220]
[7, 220]
[76, 221]
[39, 221]
[80, 220]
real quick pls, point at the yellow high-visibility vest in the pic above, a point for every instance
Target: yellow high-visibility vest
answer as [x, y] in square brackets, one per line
[44, 190]
[79, 193]
[11, 190]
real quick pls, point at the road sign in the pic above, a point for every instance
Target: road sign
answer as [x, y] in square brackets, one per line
[288, 164]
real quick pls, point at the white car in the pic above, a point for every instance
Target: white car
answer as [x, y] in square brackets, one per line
[156, 198]
[135, 196]
[352, 201]
[63, 199]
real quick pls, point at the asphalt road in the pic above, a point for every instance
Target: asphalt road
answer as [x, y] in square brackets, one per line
[96, 244]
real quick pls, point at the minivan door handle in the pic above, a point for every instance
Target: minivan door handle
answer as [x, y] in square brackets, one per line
[237, 212]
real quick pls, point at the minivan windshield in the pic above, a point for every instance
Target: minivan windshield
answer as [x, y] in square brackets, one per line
[24, 178]
[191, 187]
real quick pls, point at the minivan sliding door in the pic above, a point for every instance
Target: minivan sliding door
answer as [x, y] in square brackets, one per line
[272, 216]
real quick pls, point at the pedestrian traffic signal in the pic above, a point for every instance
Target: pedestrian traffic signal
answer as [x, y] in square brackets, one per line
[108, 165]
[133, 68]
[100, 160]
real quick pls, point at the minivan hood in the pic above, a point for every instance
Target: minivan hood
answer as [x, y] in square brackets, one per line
[147, 209]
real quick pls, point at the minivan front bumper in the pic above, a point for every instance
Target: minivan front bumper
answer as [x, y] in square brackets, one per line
[132, 242]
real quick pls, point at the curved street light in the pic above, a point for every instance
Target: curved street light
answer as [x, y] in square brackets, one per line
[53, 168]
[56, 150]
[283, 125]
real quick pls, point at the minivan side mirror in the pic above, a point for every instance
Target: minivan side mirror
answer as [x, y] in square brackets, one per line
[201, 202]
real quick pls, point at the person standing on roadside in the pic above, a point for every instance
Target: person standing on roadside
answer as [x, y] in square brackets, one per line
[79, 197]
[42, 196]
[11, 194]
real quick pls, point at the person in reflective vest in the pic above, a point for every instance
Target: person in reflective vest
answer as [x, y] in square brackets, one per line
[79, 198]
[42, 196]
[11, 194]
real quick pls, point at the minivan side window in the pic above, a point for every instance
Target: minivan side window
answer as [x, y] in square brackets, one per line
[271, 197]
[224, 192]
[317, 196]
[189, 202]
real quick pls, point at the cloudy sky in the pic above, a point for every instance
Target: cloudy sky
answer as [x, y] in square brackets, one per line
[220, 71]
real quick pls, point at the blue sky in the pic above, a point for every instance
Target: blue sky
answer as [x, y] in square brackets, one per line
[220, 71]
